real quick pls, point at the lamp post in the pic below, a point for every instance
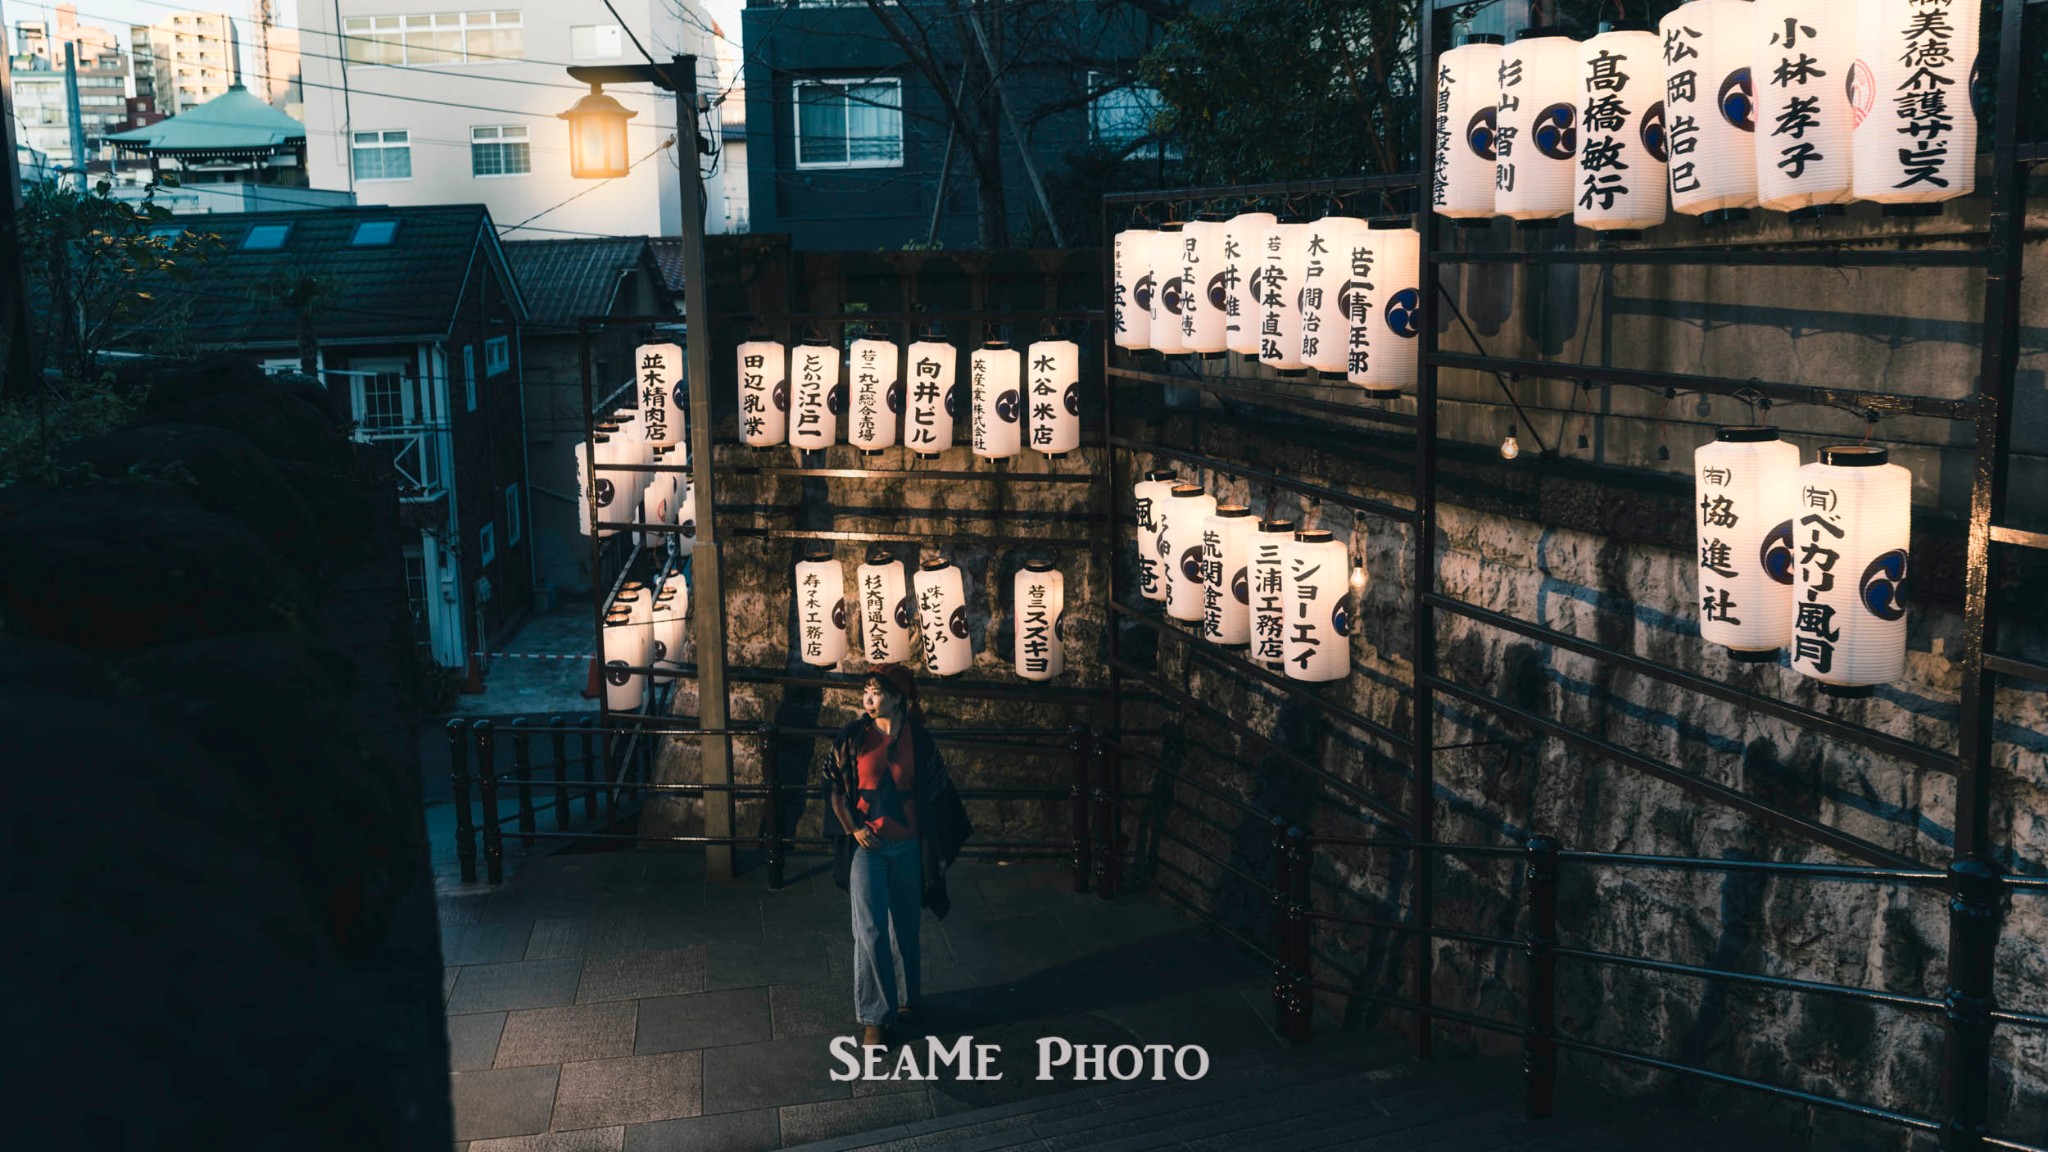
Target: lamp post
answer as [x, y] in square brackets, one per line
[597, 151]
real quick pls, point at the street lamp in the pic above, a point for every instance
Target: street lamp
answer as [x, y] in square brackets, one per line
[597, 136]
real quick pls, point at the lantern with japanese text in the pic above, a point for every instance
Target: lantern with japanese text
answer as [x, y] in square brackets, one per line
[1468, 87]
[887, 613]
[815, 397]
[998, 400]
[1169, 291]
[1382, 295]
[1205, 305]
[1805, 52]
[1039, 598]
[942, 617]
[1915, 132]
[593, 488]
[764, 393]
[1850, 548]
[875, 394]
[934, 397]
[629, 451]
[627, 646]
[1226, 576]
[1150, 502]
[1315, 597]
[1710, 108]
[1133, 311]
[657, 506]
[1283, 253]
[1745, 485]
[1244, 238]
[820, 609]
[667, 632]
[1053, 385]
[1622, 179]
[1269, 615]
[660, 392]
[1325, 331]
[1536, 128]
[1187, 510]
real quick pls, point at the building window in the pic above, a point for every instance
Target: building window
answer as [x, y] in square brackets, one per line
[1122, 116]
[469, 374]
[497, 355]
[595, 42]
[511, 513]
[435, 38]
[383, 155]
[265, 237]
[499, 151]
[371, 233]
[486, 544]
[849, 123]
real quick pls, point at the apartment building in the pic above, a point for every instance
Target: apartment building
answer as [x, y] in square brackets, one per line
[186, 59]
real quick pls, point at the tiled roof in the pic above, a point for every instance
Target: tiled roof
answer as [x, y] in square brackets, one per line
[235, 119]
[668, 252]
[566, 280]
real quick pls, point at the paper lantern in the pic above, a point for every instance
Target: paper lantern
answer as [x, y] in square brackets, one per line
[1205, 307]
[1269, 615]
[660, 391]
[1315, 594]
[1915, 131]
[875, 395]
[1150, 502]
[815, 396]
[1622, 181]
[1226, 576]
[1284, 255]
[1536, 128]
[942, 617]
[820, 610]
[677, 589]
[1054, 405]
[657, 505]
[1039, 595]
[1849, 553]
[667, 632]
[1168, 291]
[686, 511]
[1468, 87]
[764, 393]
[887, 613]
[1745, 487]
[1186, 510]
[627, 645]
[596, 450]
[1244, 238]
[1710, 108]
[934, 397]
[1133, 258]
[1325, 332]
[1382, 296]
[1805, 51]
[998, 400]
[629, 451]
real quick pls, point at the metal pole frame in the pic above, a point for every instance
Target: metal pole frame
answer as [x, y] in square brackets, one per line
[1422, 653]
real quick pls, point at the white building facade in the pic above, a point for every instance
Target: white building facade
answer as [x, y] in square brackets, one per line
[186, 59]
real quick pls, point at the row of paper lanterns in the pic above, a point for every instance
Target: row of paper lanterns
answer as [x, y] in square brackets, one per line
[643, 629]
[890, 611]
[911, 396]
[1791, 105]
[1282, 591]
[1811, 557]
[650, 430]
[1336, 295]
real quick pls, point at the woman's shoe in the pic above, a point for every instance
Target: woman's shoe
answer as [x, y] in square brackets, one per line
[871, 1036]
[906, 1015]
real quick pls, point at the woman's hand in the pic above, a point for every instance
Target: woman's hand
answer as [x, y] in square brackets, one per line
[866, 837]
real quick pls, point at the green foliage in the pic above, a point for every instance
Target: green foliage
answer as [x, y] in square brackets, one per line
[32, 429]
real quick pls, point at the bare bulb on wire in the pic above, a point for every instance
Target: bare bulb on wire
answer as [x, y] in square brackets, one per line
[1509, 446]
[1357, 577]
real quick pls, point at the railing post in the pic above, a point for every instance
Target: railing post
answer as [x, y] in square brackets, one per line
[1301, 941]
[1107, 859]
[558, 740]
[1974, 894]
[1539, 1043]
[458, 779]
[1084, 745]
[771, 775]
[487, 781]
[589, 743]
[1283, 934]
[522, 770]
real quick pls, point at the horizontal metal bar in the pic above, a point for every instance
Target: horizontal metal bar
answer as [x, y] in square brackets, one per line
[1199, 786]
[1964, 409]
[1414, 930]
[1265, 397]
[2019, 537]
[1447, 849]
[1870, 1110]
[1778, 983]
[942, 734]
[2013, 1145]
[1206, 916]
[2024, 1019]
[966, 689]
[1077, 543]
[908, 474]
[1433, 1011]
[1280, 188]
[1773, 867]
[1741, 697]
[1742, 802]
[1774, 256]
[941, 316]
[1322, 492]
[882, 511]
[507, 730]
[1218, 861]
[2013, 666]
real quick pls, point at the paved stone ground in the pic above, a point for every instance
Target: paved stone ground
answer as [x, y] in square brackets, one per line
[521, 684]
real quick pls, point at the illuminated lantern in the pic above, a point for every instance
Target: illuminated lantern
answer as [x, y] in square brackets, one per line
[942, 617]
[1187, 509]
[1325, 333]
[637, 638]
[1244, 239]
[1151, 496]
[660, 392]
[1536, 128]
[1468, 86]
[658, 505]
[1039, 596]
[1915, 131]
[764, 393]
[1226, 576]
[1284, 254]
[614, 488]
[629, 451]
[821, 609]
[887, 613]
[1054, 401]
[624, 650]
[1133, 256]
[875, 395]
[677, 589]
[597, 137]
[1169, 292]
[815, 396]
[1269, 615]
[667, 653]
[1205, 305]
[998, 400]
[1850, 543]
[1745, 486]
[1805, 52]
[934, 397]
[686, 510]
[1710, 108]
[596, 450]
[1622, 181]
[1382, 295]
[1315, 595]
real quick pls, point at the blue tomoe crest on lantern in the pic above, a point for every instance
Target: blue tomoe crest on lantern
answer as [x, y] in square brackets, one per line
[835, 399]
[1141, 293]
[1738, 100]
[660, 651]
[1219, 291]
[1776, 553]
[1241, 586]
[957, 623]
[781, 396]
[1006, 406]
[1884, 585]
[604, 491]
[1191, 564]
[1479, 132]
[1073, 399]
[1258, 282]
[953, 401]
[1557, 131]
[906, 612]
[895, 397]
[1340, 617]
[1170, 296]
[617, 672]
[676, 394]
[1653, 132]
[839, 613]
[1401, 308]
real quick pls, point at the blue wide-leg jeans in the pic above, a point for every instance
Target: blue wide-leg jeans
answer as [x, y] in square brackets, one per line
[887, 885]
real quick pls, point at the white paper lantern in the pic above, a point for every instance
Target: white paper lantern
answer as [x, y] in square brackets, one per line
[942, 617]
[1039, 596]
[667, 632]
[1284, 255]
[1226, 575]
[815, 396]
[1745, 489]
[1269, 611]
[660, 391]
[1244, 254]
[888, 616]
[1169, 291]
[615, 493]
[1053, 402]
[1468, 87]
[676, 589]
[1909, 100]
[629, 451]
[1149, 503]
[934, 397]
[1315, 591]
[1536, 128]
[1850, 552]
[657, 504]
[1205, 308]
[1622, 180]
[626, 646]
[820, 611]
[686, 511]
[998, 400]
[637, 602]
[764, 393]
[587, 480]
[875, 394]
[1325, 331]
[1710, 107]
[1133, 257]
[1187, 509]
[1805, 51]
[1382, 296]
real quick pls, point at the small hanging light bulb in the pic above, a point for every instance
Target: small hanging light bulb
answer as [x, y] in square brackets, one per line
[1358, 575]
[1510, 447]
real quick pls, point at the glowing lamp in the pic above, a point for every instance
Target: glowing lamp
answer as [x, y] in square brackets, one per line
[1745, 492]
[1851, 537]
[1325, 331]
[1909, 99]
[1267, 580]
[998, 400]
[820, 610]
[1536, 128]
[876, 394]
[597, 137]
[1242, 258]
[815, 397]
[1133, 312]
[1226, 578]
[1381, 297]
[1710, 108]
[1315, 606]
[1169, 291]
[934, 397]
[1623, 151]
[942, 616]
[764, 393]
[1805, 53]
[887, 614]
[1150, 501]
[1039, 596]
[1468, 86]
[1187, 509]
[1053, 396]
[1205, 304]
